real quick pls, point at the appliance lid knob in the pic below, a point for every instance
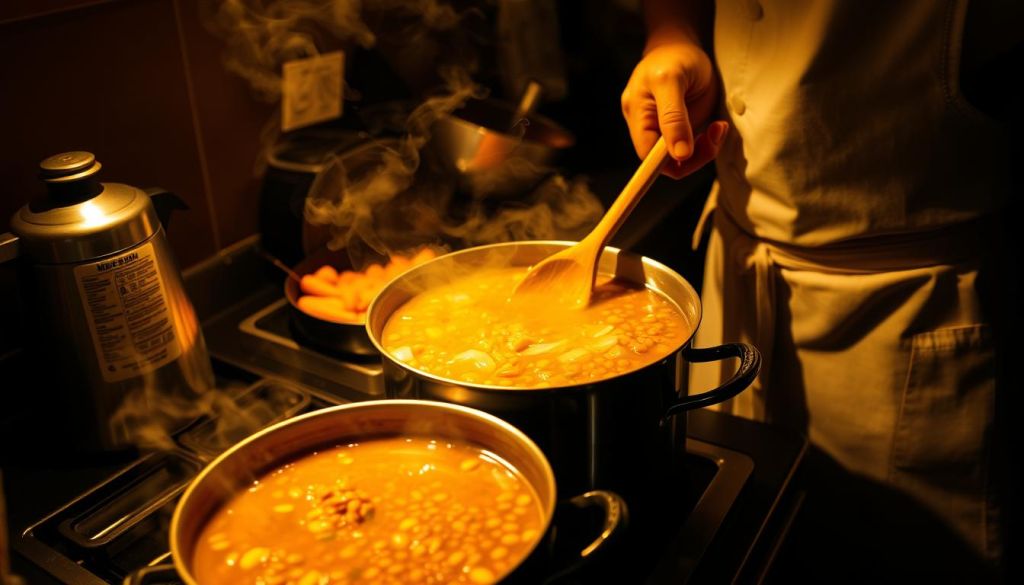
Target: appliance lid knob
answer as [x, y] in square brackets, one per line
[68, 166]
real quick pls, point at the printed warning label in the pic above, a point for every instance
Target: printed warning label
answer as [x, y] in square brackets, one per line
[132, 328]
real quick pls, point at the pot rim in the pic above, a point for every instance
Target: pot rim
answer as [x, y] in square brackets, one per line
[471, 127]
[533, 451]
[647, 262]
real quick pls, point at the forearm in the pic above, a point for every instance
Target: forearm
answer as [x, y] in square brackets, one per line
[675, 21]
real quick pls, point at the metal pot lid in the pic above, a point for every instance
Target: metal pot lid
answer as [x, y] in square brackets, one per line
[78, 218]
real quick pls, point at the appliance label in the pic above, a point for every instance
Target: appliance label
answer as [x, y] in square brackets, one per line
[311, 90]
[132, 328]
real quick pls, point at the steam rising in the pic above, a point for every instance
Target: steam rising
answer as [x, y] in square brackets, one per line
[352, 195]
[387, 198]
[262, 35]
[390, 197]
[148, 417]
[381, 201]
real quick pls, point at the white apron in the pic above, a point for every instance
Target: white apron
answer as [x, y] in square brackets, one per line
[847, 238]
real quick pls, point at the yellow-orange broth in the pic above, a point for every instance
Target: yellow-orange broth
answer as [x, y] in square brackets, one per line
[390, 510]
[473, 330]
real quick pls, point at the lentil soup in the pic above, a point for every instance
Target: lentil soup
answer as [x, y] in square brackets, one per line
[472, 330]
[389, 510]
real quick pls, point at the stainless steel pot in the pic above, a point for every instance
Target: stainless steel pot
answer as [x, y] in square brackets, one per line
[270, 448]
[620, 433]
[493, 159]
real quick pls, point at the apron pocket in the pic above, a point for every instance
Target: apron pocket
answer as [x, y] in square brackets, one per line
[941, 441]
[947, 403]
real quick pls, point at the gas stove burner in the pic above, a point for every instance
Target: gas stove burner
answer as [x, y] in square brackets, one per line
[316, 345]
[120, 527]
[270, 346]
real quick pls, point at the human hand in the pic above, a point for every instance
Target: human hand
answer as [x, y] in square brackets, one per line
[673, 90]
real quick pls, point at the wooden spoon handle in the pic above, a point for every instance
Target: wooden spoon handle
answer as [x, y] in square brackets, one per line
[631, 194]
[526, 103]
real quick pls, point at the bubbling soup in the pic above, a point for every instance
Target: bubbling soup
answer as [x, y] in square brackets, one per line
[389, 510]
[472, 330]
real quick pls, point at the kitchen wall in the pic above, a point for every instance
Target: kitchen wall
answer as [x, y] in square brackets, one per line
[140, 84]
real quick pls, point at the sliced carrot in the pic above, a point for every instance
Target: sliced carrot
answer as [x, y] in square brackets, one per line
[343, 297]
[312, 285]
[363, 298]
[346, 277]
[348, 298]
[422, 256]
[374, 271]
[327, 273]
[328, 309]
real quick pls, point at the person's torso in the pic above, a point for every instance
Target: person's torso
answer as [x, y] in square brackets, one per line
[848, 120]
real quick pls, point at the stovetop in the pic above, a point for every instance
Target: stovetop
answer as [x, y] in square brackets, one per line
[120, 526]
[726, 523]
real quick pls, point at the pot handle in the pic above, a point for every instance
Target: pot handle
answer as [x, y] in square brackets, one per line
[152, 574]
[165, 203]
[750, 365]
[616, 517]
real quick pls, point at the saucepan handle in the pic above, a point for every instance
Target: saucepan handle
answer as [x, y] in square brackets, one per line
[750, 364]
[615, 520]
[9, 245]
[152, 574]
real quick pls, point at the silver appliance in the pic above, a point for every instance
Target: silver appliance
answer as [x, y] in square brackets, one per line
[108, 312]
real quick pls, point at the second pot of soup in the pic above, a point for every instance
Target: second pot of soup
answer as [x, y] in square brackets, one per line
[390, 492]
[597, 388]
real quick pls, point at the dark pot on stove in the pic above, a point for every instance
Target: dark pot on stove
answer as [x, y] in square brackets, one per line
[622, 433]
[334, 337]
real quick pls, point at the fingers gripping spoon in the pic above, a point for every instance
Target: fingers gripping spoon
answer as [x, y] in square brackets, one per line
[568, 276]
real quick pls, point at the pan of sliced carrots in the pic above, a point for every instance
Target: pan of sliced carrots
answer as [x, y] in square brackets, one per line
[330, 297]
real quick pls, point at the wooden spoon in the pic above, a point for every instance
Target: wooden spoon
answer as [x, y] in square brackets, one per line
[568, 276]
[527, 102]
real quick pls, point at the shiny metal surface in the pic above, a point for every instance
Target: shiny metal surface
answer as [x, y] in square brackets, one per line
[493, 159]
[80, 219]
[272, 447]
[117, 218]
[617, 434]
[273, 352]
[69, 166]
[106, 300]
[63, 335]
[478, 138]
